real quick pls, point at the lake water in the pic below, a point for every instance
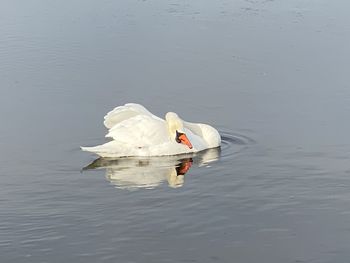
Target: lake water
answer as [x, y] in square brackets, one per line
[272, 76]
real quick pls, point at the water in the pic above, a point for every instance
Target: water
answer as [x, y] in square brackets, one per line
[272, 76]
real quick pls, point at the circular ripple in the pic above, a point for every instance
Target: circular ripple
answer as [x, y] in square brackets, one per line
[233, 143]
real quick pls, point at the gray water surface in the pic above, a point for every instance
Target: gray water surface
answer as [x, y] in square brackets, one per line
[272, 76]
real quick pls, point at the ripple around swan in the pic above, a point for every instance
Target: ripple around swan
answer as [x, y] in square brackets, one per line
[233, 143]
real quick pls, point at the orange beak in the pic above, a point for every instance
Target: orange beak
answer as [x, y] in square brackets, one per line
[184, 140]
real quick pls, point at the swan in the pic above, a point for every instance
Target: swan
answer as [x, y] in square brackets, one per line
[137, 132]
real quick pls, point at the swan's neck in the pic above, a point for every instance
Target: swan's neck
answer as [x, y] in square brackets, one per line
[174, 123]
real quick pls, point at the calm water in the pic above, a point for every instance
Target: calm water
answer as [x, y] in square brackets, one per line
[272, 76]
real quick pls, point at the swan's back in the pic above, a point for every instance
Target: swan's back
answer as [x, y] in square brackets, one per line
[140, 131]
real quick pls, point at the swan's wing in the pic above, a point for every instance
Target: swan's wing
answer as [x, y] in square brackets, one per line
[194, 128]
[140, 131]
[206, 135]
[125, 112]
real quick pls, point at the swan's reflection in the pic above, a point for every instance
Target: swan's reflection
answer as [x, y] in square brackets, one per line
[134, 173]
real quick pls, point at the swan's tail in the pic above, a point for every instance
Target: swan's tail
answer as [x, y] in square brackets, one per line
[94, 149]
[109, 149]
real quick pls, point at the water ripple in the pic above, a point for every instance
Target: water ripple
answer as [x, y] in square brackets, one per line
[233, 143]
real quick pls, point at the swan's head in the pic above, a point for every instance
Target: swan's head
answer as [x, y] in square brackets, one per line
[176, 129]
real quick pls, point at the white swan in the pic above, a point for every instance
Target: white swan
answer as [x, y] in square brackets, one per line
[137, 132]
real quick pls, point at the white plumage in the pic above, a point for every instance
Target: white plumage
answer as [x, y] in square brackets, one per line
[137, 132]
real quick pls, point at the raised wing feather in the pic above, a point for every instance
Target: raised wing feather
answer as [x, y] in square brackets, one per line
[125, 112]
[140, 131]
